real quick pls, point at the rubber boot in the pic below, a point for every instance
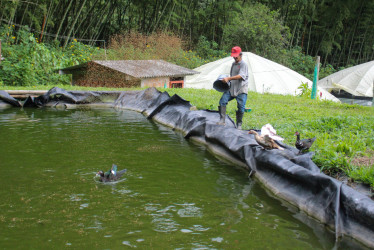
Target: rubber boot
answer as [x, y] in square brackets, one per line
[222, 115]
[239, 119]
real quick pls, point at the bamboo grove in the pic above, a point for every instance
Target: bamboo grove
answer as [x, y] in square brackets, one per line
[340, 31]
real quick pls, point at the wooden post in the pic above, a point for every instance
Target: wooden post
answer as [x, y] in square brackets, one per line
[315, 78]
[1, 56]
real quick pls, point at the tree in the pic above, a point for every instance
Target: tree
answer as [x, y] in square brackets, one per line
[257, 29]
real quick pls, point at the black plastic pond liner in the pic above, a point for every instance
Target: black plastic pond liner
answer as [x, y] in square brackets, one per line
[70, 97]
[6, 100]
[291, 177]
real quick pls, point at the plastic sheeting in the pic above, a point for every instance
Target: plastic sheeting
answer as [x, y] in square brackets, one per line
[265, 76]
[7, 100]
[294, 178]
[357, 80]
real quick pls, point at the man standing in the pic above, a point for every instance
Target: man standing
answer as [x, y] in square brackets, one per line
[238, 88]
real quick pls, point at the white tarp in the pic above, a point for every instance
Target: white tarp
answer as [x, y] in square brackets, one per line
[265, 76]
[357, 80]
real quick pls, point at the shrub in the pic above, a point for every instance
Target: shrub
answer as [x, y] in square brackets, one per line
[209, 50]
[304, 64]
[27, 62]
[257, 29]
[296, 60]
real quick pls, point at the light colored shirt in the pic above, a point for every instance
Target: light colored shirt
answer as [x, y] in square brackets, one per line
[238, 87]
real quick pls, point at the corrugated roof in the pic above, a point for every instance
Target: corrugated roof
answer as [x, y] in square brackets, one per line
[143, 68]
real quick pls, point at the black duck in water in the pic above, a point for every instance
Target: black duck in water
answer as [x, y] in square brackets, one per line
[110, 175]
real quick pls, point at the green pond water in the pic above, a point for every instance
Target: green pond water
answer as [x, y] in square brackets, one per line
[175, 194]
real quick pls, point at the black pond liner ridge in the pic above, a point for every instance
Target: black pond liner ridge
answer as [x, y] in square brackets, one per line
[291, 177]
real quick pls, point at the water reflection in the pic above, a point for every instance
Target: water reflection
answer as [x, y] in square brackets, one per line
[357, 101]
[163, 217]
[189, 210]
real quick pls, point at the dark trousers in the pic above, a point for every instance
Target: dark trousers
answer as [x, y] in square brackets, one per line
[241, 100]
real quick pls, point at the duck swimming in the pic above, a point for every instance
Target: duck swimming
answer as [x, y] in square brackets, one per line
[110, 175]
[304, 144]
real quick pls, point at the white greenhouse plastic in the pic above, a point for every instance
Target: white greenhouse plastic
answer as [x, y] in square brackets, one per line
[265, 76]
[357, 80]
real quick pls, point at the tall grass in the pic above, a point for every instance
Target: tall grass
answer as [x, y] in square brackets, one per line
[156, 46]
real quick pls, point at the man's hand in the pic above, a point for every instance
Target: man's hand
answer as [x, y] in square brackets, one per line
[227, 79]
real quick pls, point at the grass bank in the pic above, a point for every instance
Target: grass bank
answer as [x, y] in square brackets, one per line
[345, 133]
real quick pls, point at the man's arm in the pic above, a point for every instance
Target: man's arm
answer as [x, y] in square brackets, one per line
[226, 79]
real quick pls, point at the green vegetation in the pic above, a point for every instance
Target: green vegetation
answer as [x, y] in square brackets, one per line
[29, 63]
[340, 31]
[261, 31]
[188, 33]
[37, 39]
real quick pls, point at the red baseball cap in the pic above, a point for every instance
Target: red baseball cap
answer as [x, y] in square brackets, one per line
[235, 51]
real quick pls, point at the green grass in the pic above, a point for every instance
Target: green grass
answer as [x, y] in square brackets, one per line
[345, 133]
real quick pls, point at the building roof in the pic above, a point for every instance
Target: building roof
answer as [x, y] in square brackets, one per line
[139, 68]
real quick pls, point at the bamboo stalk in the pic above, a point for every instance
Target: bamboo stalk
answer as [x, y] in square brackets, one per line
[62, 20]
[73, 24]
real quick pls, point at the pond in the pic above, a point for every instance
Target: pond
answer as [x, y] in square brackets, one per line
[174, 195]
[361, 102]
